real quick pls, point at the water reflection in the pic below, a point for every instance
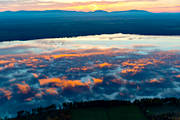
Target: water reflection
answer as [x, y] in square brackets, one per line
[43, 72]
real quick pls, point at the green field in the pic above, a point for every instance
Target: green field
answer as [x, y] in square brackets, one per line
[156, 110]
[126, 112]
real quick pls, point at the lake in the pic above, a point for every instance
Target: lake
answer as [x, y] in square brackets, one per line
[42, 72]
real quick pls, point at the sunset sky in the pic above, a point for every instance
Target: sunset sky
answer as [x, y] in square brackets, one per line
[91, 5]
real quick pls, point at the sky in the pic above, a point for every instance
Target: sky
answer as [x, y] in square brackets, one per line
[91, 5]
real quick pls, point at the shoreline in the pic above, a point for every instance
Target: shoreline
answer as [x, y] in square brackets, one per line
[66, 37]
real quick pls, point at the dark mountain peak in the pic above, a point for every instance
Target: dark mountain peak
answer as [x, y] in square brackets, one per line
[100, 11]
[132, 11]
[138, 11]
[36, 11]
[58, 11]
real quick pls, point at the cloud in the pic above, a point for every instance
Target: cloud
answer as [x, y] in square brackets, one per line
[178, 76]
[52, 91]
[7, 93]
[63, 83]
[56, 45]
[23, 88]
[68, 73]
[144, 46]
[88, 5]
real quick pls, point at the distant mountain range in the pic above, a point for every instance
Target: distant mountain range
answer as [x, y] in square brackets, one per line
[27, 25]
[65, 11]
[99, 11]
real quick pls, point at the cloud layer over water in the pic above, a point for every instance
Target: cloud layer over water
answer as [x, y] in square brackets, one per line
[42, 72]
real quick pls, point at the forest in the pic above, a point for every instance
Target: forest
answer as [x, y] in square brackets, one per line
[144, 109]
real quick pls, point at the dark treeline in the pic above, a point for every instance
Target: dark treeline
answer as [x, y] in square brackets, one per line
[28, 25]
[63, 112]
[160, 104]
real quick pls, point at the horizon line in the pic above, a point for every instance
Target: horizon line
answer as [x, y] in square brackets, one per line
[83, 11]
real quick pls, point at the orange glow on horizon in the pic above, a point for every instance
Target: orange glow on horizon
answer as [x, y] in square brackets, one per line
[80, 5]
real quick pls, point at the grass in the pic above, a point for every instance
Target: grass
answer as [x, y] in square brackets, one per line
[163, 109]
[126, 112]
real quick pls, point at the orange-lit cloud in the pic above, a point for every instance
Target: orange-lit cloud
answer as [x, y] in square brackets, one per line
[136, 66]
[50, 80]
[6, 93]
[178, 66]
[40, 94]
[105, 65]
[29, 99]
[97, 80]
[84, 68]
[119, 81]
[63, 83]
[6, 64]
[36, 61]
[35, 75]
[80, 54]
[52, 91]
[4, 61]
[178, 76]
[23, 88]
[123, 82]
[154, 81]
